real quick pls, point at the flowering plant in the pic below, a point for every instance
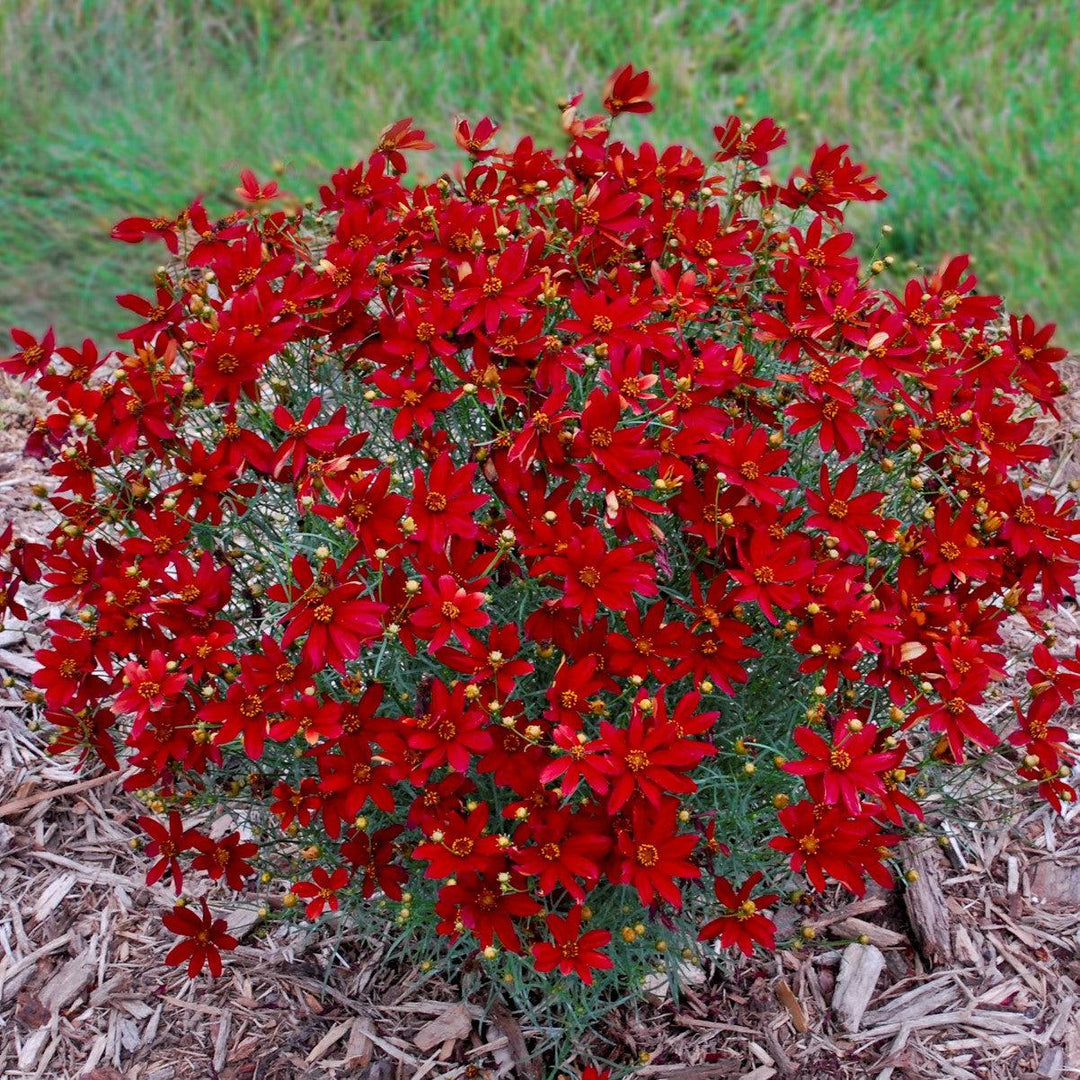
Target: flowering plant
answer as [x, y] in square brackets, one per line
[547, 554]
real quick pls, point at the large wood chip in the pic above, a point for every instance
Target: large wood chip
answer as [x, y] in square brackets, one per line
[787, 998]
[21, 665]
[504, 1021]
[66, 985]
[860, 967]
[328, 1040]
[1057, 884]
[880, 936]
[926, 907]
[453, 1024]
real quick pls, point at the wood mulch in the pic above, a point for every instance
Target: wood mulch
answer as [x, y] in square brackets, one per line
[972, 972]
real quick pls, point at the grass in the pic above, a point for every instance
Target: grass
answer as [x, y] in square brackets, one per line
[107, 108]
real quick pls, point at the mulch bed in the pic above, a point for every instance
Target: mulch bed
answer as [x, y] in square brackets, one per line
[972, 972]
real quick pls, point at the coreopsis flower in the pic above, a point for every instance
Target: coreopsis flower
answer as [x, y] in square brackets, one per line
[205, 938]
[842, 514]
[627, 91]
[399, 136]
[167, 842]
[333, 621]
[449, 732]
[652, 761]
[303, 440]
[654, 855]
[839, 772]
[148, 688]
[593, 574]
[951, 549]
[321, 892]
[742, 924]
[826, 840]
[754, 144]
[571, 951]
[955, 717]
[443, 502]
[486, 906]
[474, 140]
[459, 843]
[251, 191]
[772, 573]
[227, 857]
[448, 610]
[373, 855]
[576, 759]
[745, 458]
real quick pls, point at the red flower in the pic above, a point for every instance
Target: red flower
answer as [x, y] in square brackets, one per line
[302, 440]
[560, 849]
[401, 135]
[950, 549]
[335, 621]
[443, 503]
[654, 855]
[840, 515]
[772, 572]
[206, 937]
[449, 733]
[571, 951]
[166, 843]
[225, 857]
[321, 891]
[738, 139]
[374, 855]
[474, 141]
[251, 191]
[958, 720]
[826, 840]
[459, 844]
[579, 759]
[629, 92]
[593, 574]
[486, 906]
[745, 459]
[742, 925]
[651, 761]
[838, 773]
[448, 610]
[33, 356]
[619, 457]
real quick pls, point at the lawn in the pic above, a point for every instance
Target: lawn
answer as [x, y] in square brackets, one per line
[108, 108]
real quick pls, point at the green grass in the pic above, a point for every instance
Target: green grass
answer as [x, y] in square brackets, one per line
[968, 112]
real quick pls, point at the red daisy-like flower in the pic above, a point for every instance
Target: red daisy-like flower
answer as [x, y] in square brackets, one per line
[742, 925]
[448, 610]
[836, 511]
[321, 891]
[654, 855]
[594, 574]
[838, 773]
[443, 503]
[206, 937]
[572, 951]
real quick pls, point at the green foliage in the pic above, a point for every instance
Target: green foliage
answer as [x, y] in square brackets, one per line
[110, 108]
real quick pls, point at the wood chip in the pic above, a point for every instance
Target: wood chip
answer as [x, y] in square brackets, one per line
[787, 998]
[66, 985]
[453, 1024]
[880, 936]
[328, 1040]
[859, 970]
[926, 907]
